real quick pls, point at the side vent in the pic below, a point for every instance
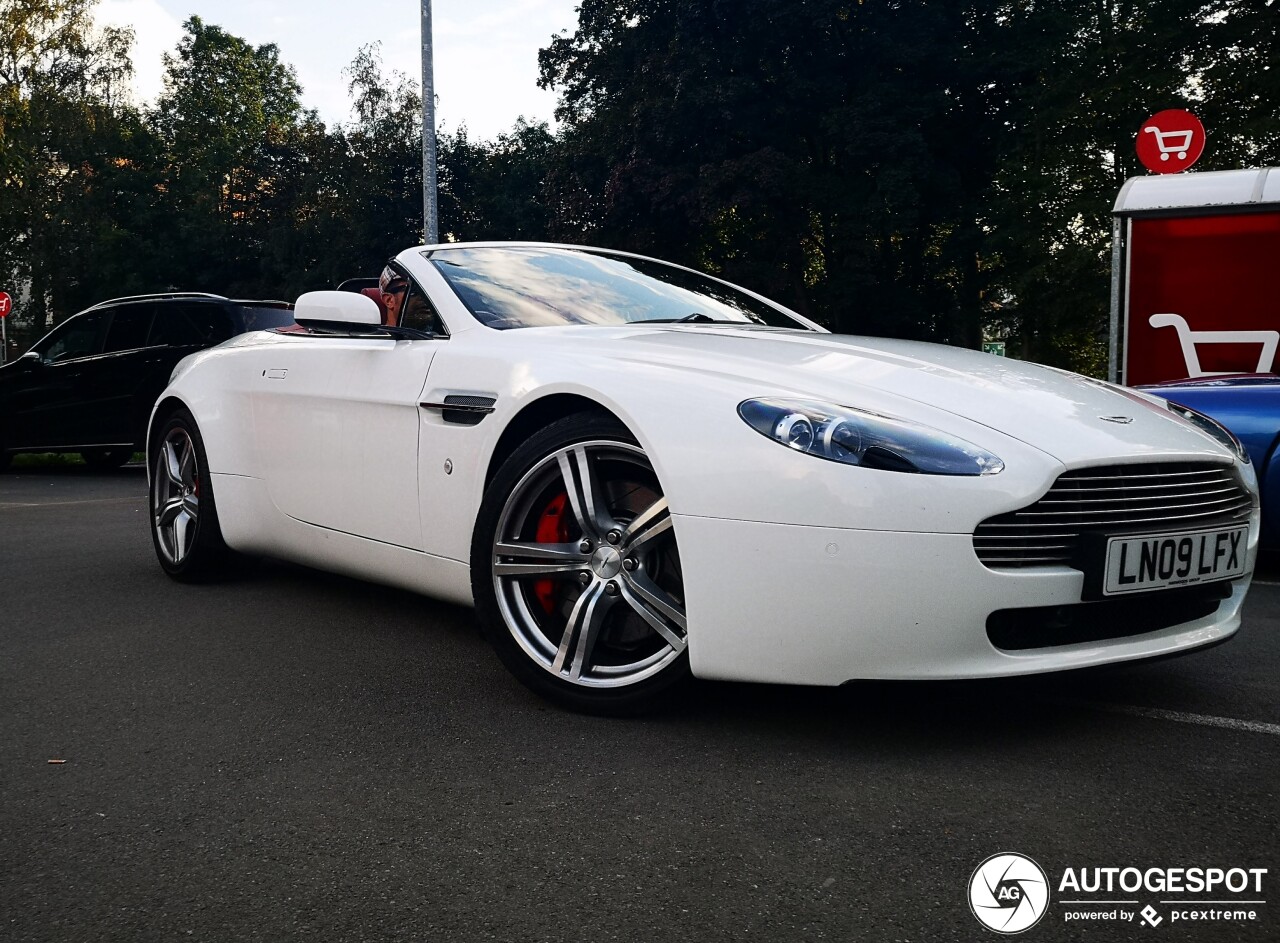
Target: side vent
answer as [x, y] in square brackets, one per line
[463, 409]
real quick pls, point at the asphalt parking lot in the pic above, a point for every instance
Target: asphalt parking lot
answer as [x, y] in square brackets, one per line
[293, 755]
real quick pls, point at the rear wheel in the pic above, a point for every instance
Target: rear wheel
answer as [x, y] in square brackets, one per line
[576, 571]
[184, 516]
[106, 459]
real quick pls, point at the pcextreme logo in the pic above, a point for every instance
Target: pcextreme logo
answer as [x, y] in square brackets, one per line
[1009, 893]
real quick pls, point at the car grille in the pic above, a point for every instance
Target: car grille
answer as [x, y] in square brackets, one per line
[1158, 496]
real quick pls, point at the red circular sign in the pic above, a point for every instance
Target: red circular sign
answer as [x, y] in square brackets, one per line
[6, 304]
[1170, 141]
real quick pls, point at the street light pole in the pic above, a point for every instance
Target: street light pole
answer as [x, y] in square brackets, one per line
[431, 219]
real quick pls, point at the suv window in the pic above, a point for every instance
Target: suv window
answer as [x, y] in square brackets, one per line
[79, 337]
[129, 327]
[191, 325]
[264, 317]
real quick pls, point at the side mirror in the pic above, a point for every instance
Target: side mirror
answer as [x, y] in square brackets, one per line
[342, 311]
[31, 359]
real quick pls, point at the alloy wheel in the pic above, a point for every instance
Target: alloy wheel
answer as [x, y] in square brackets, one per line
[586, 569]
[176, 495]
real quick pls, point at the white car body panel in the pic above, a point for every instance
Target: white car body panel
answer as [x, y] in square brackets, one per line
[848, 626]
[321, 453]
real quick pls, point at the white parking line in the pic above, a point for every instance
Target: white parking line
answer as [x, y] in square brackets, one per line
[11, 505]
[1203, 720]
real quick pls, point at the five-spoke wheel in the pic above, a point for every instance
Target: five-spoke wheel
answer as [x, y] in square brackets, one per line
[176, 495]
[184, 519]
[577, 572]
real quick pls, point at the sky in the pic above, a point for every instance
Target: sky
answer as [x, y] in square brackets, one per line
[486, 51]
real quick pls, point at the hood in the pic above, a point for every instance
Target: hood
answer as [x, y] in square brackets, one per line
[1074, 419]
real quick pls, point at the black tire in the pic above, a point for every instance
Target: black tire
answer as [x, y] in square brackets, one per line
[106, 459]
[182, 509]
[600, 627]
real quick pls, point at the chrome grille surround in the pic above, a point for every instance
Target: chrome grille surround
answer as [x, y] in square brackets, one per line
[1155, 496]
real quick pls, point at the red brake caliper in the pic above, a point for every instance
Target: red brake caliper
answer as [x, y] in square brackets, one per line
[552, 529]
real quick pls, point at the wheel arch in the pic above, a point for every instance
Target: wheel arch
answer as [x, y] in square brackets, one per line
[1269, 485]
[537, 415]
[163, 409]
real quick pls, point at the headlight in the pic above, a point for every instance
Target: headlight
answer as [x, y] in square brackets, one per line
[1212, 428]
[854, 437]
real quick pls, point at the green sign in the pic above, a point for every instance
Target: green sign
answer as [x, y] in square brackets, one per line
[993, 347]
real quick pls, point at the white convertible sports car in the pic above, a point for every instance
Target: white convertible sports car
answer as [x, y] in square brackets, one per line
[639, 474]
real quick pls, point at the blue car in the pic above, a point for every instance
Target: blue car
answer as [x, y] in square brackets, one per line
[1249, 405]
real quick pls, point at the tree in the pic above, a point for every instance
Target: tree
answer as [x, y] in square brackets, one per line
[1092, 74]
[814, 150]
[64, 127]
[231, 122]
[369, 201]
[496, 189]
[924, 168]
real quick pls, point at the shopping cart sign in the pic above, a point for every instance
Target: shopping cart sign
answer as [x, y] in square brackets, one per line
[1170, 141]
[6, 304]
[1201, 297]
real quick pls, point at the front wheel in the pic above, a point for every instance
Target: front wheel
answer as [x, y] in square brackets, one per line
[184, 517]
[576, 571]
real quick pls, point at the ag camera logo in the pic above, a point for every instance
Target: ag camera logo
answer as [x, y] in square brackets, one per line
[1009, 893]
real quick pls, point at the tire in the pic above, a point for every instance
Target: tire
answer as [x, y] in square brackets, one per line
[576, 572]
[106, 459]
[184, 514]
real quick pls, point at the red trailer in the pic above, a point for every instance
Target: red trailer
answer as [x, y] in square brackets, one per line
[1195, 287]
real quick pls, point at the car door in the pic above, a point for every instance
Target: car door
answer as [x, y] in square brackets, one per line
[337, 423]
[113, 383]
[44, 395]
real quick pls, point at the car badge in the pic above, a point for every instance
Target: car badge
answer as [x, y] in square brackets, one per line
[1119, 419]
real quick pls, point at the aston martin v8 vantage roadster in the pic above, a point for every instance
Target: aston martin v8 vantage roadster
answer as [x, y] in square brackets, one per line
[640, 474]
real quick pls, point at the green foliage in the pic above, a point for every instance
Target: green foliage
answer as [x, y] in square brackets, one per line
[230, 125]
[64, 126]
[1091, 74]
[924, 168]
[494, 189]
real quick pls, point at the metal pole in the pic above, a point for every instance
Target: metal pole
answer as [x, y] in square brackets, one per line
[4, 341]
[431, 228]
[1113, 336]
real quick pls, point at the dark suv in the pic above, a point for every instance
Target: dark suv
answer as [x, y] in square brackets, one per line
[89, 385]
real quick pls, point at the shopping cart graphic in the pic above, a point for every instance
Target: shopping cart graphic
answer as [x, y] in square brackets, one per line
[1189, 340]
[1168, 142]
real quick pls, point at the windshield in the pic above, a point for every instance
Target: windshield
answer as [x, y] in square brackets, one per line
[506, 287]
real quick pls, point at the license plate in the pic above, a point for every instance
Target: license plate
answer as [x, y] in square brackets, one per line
[1156, 561]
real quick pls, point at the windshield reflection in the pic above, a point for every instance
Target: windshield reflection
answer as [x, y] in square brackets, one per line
[509, 287]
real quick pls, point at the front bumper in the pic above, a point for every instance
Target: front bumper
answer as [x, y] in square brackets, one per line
[798, 604]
